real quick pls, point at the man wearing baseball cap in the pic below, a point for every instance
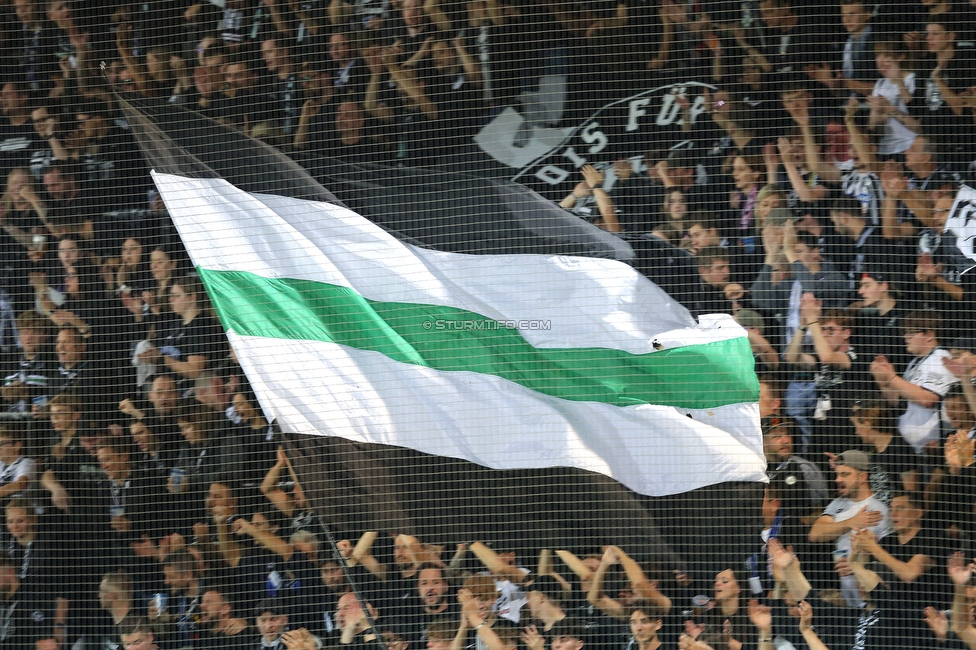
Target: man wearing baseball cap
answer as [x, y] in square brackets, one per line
[855, 508]
[804, 487]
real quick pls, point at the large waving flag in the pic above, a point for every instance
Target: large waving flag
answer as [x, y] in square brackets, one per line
[507, 361]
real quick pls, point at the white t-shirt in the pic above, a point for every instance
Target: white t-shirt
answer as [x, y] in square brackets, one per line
[511, 599]
[919, 425]
[23, 466]
[842, 509]
[897, 137]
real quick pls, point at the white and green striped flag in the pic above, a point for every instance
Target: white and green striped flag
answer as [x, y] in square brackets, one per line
[507, 361]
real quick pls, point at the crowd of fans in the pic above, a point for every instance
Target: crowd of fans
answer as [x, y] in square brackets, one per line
[146, 501]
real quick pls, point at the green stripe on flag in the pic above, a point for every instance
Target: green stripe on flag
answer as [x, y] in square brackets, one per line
[451, 339]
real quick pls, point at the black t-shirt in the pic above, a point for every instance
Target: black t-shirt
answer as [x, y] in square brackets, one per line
[322, 138]
[103, 633]
[904, 621]
[260, 574]
[413, 619]
[16, 627]
[69, 213]
[459, 110]
[638, 202]
[602, 631]
[712, 146]
[936, 115]
[767, 115]
[201, 337]
[33, 374]
[790, 51]
[85, 381]
[44, 573]
[413, 137]
[840, 627]
[878, 334]
[845, 386]
[28, 221]
[396, 593]
[835, 433]
[286, 102]
[38, 54]
[142, 499]
[76, 470]
[245, 108]
[118, 171]
[953, 505]
[16, 145]
[871, 252]
[351, 81]
[742, 628]
[712, 300]
[888, 466]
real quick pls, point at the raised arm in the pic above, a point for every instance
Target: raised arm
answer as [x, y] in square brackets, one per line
[458, 643]
[893, 186]
[804, 192]
[919, 202]
[801, 116]
[608, 212]
[472, 70]
[960, 572]
[575, 564]
[595, 596]
[858, 139]
[138, 71]
[469, 610]
[361, 554]
[794, 351]
[810, 312]
[407, 82]
[642, 586]
[663, 55]
[786, 569]
[545, 568]
[230, 550]
[806, 628]
[265, 538]
[496, 564]
[270, 489]
[762, 618]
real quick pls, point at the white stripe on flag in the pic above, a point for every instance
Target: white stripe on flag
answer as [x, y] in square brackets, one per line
[314, 387]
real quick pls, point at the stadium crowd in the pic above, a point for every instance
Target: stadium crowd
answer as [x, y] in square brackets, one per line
[146, 500]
